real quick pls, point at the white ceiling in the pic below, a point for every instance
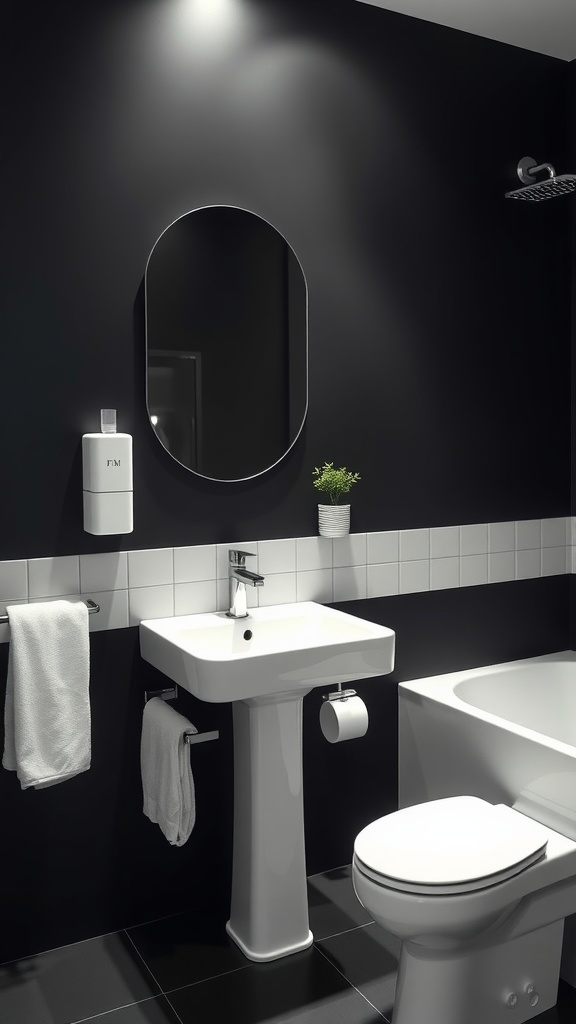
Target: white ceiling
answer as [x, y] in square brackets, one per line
[546, 26]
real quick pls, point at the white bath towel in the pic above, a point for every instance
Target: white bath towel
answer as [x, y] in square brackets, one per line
[47, 710]
[167, 783]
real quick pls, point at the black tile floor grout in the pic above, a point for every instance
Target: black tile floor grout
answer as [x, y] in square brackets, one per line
[177, 1015]
[64, 945]
[105, 1013]
[211, 977]
[153, 976]
[354, 928]
[138, 954]
[379, 1012]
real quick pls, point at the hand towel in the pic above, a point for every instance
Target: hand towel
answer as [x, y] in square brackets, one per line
[167, 783]
[47, 710]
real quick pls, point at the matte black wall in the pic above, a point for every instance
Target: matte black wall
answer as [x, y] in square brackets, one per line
[572, 169]
[439, 366]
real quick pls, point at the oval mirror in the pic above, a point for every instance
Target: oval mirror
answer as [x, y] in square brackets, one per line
[226, 343]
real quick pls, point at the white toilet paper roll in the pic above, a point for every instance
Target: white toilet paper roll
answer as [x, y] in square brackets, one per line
[345, 719]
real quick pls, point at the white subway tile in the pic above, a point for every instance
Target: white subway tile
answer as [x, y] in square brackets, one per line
[414, 575]
[474, 539]
[193, 564]
[382, 547]
[14, 580]
[553, 561]
[554, 532]
[364, 565]
[350, 550]
[527, 534]
[382, 580]
[150, 568]
[53, 577]
[501, 566]
[414, 544]
[350, 583]
[276, 556]
[279, 588]
[444, 541]
[528, 563]
[313, 553]
[501, 536]
[473, 570]
[444, 573]
[113, 612]
[150, 603]
[193, 598]
[315, 585]
[108, 571]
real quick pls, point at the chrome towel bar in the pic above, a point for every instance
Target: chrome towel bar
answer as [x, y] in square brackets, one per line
[92, 609]
[170, 693]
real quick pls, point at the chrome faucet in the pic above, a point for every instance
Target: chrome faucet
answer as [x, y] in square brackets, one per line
[238, 578]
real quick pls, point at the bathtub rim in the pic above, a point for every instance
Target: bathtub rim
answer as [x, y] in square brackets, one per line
[439, 689]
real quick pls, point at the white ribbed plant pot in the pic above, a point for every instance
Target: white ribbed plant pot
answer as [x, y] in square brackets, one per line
[333, 520]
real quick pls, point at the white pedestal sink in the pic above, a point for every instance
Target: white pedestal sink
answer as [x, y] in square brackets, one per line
[265, 664]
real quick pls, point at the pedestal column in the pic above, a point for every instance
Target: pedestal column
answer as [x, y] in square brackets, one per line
[269, 910]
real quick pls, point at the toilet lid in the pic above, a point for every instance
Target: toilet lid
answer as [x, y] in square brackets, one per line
[457, 844]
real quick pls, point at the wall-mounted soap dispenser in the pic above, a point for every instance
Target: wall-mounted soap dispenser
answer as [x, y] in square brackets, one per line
[107, 478]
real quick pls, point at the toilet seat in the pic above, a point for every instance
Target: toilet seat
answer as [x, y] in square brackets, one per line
[449, 846]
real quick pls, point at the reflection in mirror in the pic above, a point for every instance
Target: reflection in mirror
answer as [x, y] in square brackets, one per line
[226, 339]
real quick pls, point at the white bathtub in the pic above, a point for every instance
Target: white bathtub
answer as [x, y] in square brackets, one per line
[506, 733]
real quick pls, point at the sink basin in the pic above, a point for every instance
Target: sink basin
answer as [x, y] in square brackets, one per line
[275, 649]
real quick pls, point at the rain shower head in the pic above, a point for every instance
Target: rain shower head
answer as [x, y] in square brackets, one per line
[553, 185]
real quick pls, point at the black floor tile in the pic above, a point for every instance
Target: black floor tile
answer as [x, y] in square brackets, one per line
[74, 982]
[188, 948]
[368, 958]
[301, 988]
[151, 1011]
[565, 1010]
[348, 977]
[333, 904]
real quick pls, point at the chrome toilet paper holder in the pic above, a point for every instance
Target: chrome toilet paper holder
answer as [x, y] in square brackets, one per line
[339, 694]
[343, 716]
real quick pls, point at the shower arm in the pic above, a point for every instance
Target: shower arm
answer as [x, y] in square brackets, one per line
[528, 169]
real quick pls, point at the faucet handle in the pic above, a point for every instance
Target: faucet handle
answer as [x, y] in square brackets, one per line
[237, 557]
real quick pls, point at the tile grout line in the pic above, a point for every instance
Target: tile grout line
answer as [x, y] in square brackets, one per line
[103, 935]
[211, 977]
[64, 945]
[176, 1014]
[153, 976]
[346, 931]
[124, 1006]
[138, 953]
[337, 867]
[350, 983]
[177, 988]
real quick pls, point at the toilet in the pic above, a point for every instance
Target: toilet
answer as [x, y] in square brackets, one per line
[477, 893]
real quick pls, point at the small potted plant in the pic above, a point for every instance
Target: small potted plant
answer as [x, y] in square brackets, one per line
[333, 519]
